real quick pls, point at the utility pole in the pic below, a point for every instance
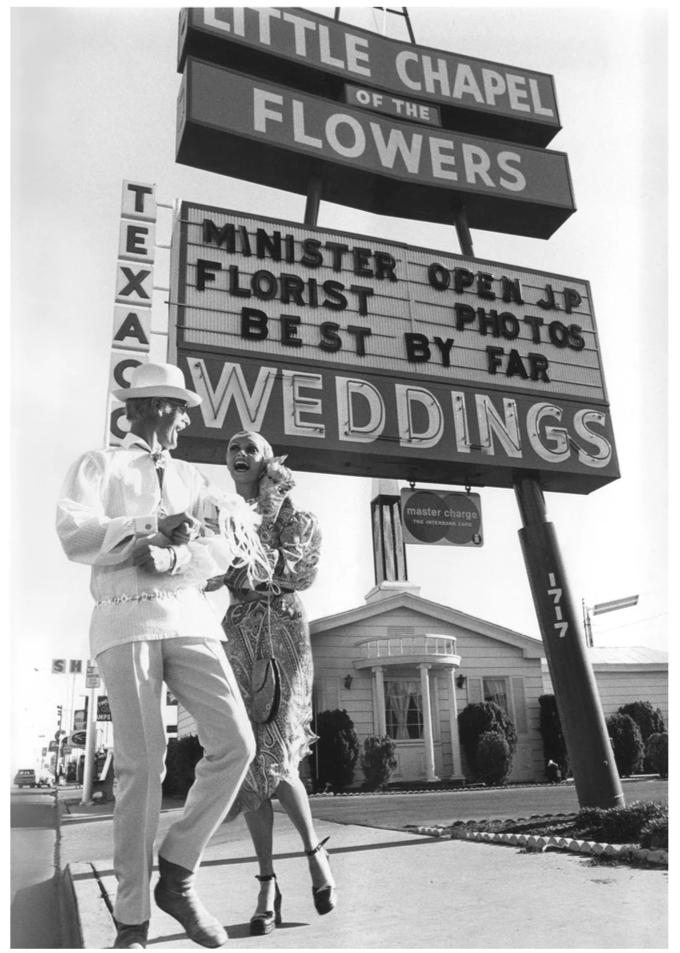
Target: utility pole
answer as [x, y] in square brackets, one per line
[58, 736]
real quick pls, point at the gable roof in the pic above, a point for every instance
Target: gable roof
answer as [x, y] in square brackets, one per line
[627, 655]
[531, 648]
[636, 658]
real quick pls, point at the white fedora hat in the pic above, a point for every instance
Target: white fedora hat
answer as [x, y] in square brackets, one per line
[157, 380]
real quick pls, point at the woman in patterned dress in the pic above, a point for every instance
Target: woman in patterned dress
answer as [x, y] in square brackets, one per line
[267, 616]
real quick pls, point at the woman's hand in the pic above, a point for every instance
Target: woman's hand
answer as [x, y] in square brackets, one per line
[276, 481]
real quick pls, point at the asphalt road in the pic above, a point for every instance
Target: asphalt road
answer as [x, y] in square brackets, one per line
[34, 918]
[444, 807]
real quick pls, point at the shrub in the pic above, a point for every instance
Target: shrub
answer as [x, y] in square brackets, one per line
[477, 718]
[626, 743]
[621, 825]
[554, 746]
[656, 753]
[182, 756]
[648, 719]
[337, 749]
[494, 759]
[654, 835]
[378, 761]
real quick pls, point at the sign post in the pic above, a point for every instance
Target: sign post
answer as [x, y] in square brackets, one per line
[92, 681]
[581, 717]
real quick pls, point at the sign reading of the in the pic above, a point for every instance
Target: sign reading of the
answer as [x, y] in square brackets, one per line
[252, 129]
[362, 356]
[391, 105]
[436, 517]
[309, 51]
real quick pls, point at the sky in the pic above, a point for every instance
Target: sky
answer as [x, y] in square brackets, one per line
[93, 103]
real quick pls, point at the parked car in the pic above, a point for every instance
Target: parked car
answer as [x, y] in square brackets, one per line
[45, 782]
[25, 778]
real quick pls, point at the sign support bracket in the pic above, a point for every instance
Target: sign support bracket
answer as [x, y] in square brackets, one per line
[585, 732]
[314, 190]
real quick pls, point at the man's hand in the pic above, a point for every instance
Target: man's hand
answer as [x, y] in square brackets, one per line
[156, 559]
[179, 527]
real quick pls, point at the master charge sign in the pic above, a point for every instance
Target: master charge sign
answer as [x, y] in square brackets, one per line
[441, 517]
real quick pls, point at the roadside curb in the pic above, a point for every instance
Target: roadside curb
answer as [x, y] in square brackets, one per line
[91, 907]
[540, 842]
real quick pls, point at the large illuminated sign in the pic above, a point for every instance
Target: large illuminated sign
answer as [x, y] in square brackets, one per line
[361, 356]
[252, 129]
[311, 52]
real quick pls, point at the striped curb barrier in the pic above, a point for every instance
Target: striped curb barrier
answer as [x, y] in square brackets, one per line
[539, 842]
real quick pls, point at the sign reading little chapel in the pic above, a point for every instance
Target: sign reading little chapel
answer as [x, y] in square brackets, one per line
[309, 51]
[361, 356]
[277, 96]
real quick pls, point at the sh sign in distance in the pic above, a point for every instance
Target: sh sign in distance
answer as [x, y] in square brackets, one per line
[441, 517]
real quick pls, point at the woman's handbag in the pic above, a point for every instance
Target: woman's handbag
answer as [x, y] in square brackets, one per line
[265, 690]
[265, 682]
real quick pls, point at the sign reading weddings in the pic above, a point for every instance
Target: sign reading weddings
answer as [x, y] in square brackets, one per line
[361, 356]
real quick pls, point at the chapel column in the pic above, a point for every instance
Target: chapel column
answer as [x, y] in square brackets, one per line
[428, 736]
[457, 768]
[380, 699]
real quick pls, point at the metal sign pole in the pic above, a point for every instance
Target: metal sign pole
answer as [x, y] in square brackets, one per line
[585, 732]
[90, 734]
[581, 716]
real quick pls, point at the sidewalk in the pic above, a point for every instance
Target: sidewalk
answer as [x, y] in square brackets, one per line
[396, 891]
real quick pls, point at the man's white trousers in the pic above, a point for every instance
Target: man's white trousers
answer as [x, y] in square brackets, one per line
[198, 674]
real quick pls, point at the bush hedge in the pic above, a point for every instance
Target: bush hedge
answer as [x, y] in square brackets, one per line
[654, 835]
[337, 749]
[477, 718]
[656, 753]
[182, 756]
[494, 759]
[648, 719]
[627, 744]
[622, 825]
[650, 722]
[378, 761]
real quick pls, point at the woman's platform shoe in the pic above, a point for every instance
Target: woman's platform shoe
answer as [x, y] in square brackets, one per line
[325, 897]
[263, 923]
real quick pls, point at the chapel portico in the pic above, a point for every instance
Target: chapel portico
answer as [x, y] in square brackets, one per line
[400, 670]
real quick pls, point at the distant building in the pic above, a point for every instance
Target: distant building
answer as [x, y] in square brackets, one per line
[404, 666]
[626, 675]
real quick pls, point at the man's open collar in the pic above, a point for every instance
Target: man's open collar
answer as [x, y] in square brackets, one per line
[132, 441]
